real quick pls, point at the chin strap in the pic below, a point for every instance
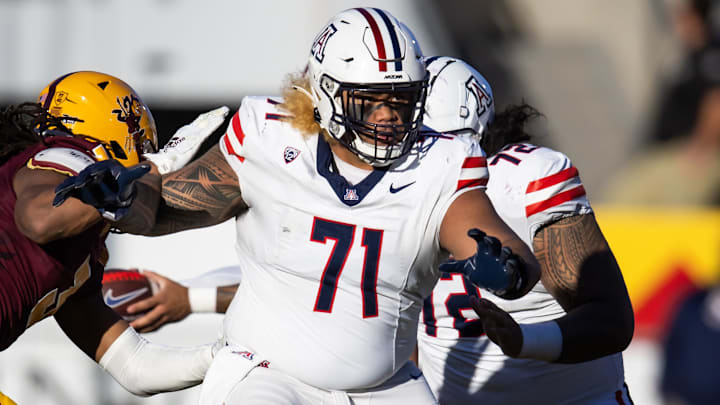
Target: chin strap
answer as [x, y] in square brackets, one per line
[307, 93]
[313, 100]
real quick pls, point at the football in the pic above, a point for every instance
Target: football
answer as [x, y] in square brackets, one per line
[121, 288]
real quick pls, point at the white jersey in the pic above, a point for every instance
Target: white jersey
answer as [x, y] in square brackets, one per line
[529, 187]
[334, 274]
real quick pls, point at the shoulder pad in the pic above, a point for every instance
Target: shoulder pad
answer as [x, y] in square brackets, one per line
[63, 160]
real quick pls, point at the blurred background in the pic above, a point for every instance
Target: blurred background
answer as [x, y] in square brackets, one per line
[629, 90]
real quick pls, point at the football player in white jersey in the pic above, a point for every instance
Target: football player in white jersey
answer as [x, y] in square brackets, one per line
[560, 343]
[344, 213]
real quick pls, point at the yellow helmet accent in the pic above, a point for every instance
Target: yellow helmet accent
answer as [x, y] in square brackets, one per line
[4, 400]
[104, 108]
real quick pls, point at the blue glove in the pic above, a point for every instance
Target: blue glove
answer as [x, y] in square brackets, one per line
[107, 185]
[493, 267]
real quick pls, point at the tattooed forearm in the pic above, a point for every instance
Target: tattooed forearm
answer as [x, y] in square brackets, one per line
[580, 271]
[171, 220]
[562, 249]
[205, 192]
[208, 184]
[141, 215]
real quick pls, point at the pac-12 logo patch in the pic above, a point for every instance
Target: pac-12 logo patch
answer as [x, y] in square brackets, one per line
[290, 154]
[318, 46]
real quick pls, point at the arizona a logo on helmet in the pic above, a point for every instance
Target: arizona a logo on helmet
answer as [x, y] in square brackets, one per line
[318, 46]
[481, 94]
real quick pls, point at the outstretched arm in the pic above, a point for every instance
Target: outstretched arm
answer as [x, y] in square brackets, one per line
[126, 196]
[205, 192]
[580, 271]
[474, 210]
[35, 215]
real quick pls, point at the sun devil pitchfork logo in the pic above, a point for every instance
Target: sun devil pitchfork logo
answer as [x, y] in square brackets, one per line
[290, 154]
[318, 47]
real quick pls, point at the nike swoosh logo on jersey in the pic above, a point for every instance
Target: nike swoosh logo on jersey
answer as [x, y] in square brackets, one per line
[395, 190]
[113, 302]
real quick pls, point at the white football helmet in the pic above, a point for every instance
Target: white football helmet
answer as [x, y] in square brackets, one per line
[459, 98]
[362, 57]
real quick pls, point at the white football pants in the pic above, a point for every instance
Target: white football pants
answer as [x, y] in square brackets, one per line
[238, 377]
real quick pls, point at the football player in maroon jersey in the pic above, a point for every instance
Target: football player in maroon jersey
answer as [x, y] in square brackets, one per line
[52, 258]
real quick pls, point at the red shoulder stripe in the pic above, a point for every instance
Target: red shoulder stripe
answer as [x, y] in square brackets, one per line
[476, 161]
[552, 180]
[557, 199]
[230, 149]
[237, 128]
[471, 183]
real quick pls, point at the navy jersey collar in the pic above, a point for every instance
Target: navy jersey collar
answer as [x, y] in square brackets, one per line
[348, 194]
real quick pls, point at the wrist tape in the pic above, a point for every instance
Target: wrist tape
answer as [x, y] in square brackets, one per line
[202, 299]
[541, 341]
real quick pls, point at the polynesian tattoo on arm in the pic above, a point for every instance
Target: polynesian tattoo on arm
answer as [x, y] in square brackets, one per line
[574, 255]
[144, 207]
[205, 192]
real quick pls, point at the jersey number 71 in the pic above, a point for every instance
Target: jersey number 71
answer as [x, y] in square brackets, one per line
[344, 235]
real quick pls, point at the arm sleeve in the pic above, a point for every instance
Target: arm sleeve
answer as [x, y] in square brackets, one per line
[145, 368]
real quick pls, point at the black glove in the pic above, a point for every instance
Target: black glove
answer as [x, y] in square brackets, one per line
[493, 267]
[107, 185]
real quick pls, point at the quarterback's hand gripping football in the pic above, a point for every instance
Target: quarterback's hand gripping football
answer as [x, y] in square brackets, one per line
[107, 185]
[180, 149]
[170, 303]
[493, 267]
